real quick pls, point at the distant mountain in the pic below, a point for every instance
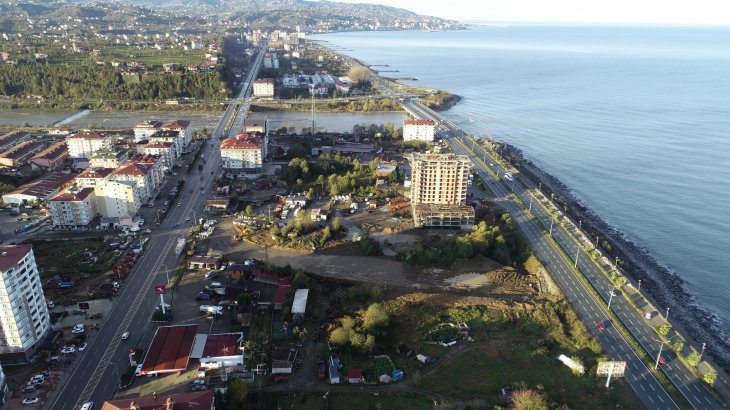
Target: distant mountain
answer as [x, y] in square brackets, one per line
[254, 14]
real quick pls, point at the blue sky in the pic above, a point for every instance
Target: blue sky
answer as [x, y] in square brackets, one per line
[575, 11]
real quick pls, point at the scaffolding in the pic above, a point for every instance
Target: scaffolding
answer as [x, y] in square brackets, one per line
[443, 216]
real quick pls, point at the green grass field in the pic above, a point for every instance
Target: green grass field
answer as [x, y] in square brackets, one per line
[67, 258]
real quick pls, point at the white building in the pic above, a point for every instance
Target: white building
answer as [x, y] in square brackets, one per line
[182, 127]
[73, 209]
[243, 156]
[92, 177]
[263, 88]
[117, 199]
[169, 137]
[24, 318]
[144, 130]
[84, 145]
[164, 150]
[418, 130]
[218, 350]
[107, 158]
[140, 175]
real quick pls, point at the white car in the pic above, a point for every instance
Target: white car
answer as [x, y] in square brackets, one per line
[125, 335]
[82, 346]
[30, 400]
[187, 219]
[68, 350]
[78, 330]
[138, 370]
[88, 405]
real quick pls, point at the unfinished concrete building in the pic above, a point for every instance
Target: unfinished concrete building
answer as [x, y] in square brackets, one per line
[439, 184]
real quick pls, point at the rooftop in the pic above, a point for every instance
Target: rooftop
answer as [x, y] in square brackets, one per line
[87, 135]
[419, 122]
[100, 173]
[170, 349]
[243, 141]
[44, 185]
[10, 255]
[149, 124]
[176, 124]
[54, 151]
[163, 145]
[22, 150]
[222, 345]
[264, 81]
[13, 137]
[131, 168]
[300, 301]
[71, 196]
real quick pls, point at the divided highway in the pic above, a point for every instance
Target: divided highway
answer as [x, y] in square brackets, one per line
[96, 372]
[644, 383]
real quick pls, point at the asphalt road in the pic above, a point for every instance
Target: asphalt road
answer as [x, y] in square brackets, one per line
[640, 378]
[96, 372]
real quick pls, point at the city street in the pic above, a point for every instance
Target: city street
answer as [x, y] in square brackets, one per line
[95, 375]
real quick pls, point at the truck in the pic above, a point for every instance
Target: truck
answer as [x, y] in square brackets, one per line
[180, 245]
[211, 310]
[66, 284]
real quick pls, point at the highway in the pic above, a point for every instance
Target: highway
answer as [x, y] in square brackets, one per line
[95, 373]
[640, 378]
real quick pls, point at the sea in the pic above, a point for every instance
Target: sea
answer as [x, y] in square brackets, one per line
[635, 120]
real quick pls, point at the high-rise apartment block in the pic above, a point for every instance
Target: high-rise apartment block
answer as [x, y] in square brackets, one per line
[439, 184]
[24, 319]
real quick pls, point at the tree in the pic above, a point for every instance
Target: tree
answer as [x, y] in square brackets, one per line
[664, 329]
[358, 73]
[532, 265]
[528, 400]
[374, 317]
[678, 345]
[249, 211]
[236, 394]
[694, 358]
[340, 336]
[297, 151]
[710, 377]
[336, 224]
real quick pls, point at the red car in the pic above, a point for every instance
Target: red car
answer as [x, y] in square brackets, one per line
[281, 378]
[662, 360]
[601, 325]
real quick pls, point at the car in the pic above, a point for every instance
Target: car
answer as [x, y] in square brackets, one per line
[166, 203]
[179, 204]
[198, 387]
[82, 346]
[30, 388]
[79, 312]
[30, 400]
[649, 315]
[601, 325]
[210, 274]
[78, 331]
[125, 335]
[38, 382]
[198, 381]
[148, 230]
[184, 196]
[138, 370]
[68, 350]
[88, 405]
[202, 296]
[662, 360]
[187, 219]
[281, 378]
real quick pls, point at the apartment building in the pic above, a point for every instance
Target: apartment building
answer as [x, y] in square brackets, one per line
[439, 184]
[24, 318]
[144, 130]
[168, 137]
[243, 156]
[107, 158]
[21, 153]
[117, 199]
[140, 175]
[51, 158]
[84, 144]
[263, 88]
[182, 127]
[92, 177]
[155, 169]
[73, 208]
[162, 149]
[418, 130]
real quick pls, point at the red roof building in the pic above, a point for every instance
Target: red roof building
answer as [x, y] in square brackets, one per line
[10, 255]
[202, 400]
[355, 376]
[69, 196]
[170, 350]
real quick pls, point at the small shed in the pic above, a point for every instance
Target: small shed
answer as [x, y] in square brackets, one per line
[299, 305]
[355, 376]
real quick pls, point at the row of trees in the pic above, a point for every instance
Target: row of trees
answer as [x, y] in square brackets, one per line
[86, 81]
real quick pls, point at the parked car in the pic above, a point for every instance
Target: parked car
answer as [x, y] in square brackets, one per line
[30, 388]
[125, 335]
[30, 400]
[138, 370]
[202, 296]
[82, 346]
[88, 405]
[281, 378]
[79, 312]
[68, 350]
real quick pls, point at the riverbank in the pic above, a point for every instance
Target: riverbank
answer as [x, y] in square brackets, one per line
[662, 285]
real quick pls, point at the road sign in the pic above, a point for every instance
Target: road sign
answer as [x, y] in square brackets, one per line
[160, 289]
[604, 368]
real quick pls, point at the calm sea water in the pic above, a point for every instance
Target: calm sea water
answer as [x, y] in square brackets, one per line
[635, 120]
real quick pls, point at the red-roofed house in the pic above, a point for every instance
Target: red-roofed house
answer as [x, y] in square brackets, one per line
[280, 294]
[51, 158]
[219, 350]
[73, 209]
[201, 400]
[204, 262]
[154, 163]
[418, 130]
[243, 155]
[144, 130]
[137, 173]
[84, 144]
[267, 277]
[170, 350]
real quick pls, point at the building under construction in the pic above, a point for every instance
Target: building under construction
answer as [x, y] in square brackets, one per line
[439, 184]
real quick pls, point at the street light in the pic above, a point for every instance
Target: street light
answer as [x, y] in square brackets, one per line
[610, 299]
[703, 351]
[639, 288]
[166, 274]
[577, 252]
[658, 356]
[666, 316]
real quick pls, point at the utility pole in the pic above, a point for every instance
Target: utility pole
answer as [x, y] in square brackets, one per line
[639, 288]
[658, 356]
[703, 350]
[666, 316]
[551, 226]
[530, 203]
[610, 299]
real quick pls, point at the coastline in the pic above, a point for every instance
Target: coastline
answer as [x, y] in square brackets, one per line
[663, 286]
